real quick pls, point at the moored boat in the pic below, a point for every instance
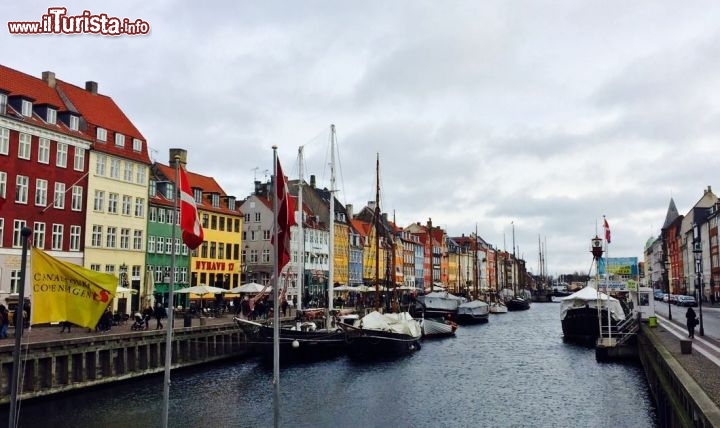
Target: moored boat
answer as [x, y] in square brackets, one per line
[497, 307]
[517, 304]
[438, 304]
[579, 314]
[379, 336]
[474, 312]
[436, 327]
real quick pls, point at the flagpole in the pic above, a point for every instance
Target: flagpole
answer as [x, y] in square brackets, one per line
[171, 307]
[276, 312]
[19, 324]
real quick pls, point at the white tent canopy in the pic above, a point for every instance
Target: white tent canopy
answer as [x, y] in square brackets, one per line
[201, 289]
[122, 290]
[589, 296]
[250, 287]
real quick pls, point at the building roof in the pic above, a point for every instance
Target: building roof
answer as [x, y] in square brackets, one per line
[208, 185]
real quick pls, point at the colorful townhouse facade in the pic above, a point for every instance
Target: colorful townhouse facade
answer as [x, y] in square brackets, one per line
[44, 158]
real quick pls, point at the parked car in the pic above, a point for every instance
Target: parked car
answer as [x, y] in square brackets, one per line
[659, 295]
[686, 301]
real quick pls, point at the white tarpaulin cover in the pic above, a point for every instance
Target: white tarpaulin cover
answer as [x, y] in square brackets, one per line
[401, 323]
[588, 296]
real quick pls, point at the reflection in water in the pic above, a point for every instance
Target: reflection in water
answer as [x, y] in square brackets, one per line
[513, 371]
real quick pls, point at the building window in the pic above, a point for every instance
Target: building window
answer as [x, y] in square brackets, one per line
[161, 215]
[266, 235]
[77, 195]
[110, 269]
[139, 207]
[126, 204]
[41, 192]
[15, 281]
[26, 108]
[151, 244]
[62, 152]
[137, 240]
[39, 235]
[57, 237]
[114, 168]
[222, 223]
[51, 116]
[168, 246]
[204, 250]
[177, 245]
[169, 191]
[21, 189]
[3, 103]
[113, 203]
[100, 165]
[97, 235]
[111, 237]
[75, 238]
[24, 146]
[17, 236]
[74, 123]
[95, 267]
[43, 150]
[197, 195]
[170, 216]
[101, 134]
[129, 167]
[266, 256]
[3, 186]
[153, 214]
[161, 244]
[141, 175]
[137, 145]
[4, 141]
[213, 222]
[152, 187]
[59, 196]
[216, 200]
[79, 160]
[125, 238]
[257, 217]
[205, 219]
[119, 139]
[99, 203]
[213, 250]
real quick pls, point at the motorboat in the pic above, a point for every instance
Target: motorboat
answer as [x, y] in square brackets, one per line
[439, 304]
[378, 335]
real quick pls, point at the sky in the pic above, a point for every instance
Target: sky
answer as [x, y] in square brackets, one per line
[524, 120]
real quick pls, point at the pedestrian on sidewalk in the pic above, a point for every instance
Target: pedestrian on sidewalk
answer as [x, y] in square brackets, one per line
[691, 322]
[4, 321]
[159, 315]
[65, 324]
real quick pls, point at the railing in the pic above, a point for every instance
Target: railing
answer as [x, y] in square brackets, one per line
[623, 331]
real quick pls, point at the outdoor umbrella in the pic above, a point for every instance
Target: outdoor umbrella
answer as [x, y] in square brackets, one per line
[250, 287]
[201, 290]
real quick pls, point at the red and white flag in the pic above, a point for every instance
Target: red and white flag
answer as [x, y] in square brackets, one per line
[607, 229]
[285, 216]
[192, 231]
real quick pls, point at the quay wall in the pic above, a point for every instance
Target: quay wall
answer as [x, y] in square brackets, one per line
[680, 401]
[64, 365]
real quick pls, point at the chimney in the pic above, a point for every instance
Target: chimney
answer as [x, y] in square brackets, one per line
[91, 87]
[709, 189]
[181, 154]
[49, 78]
[371, 205]
[312, 181]
[349, 210]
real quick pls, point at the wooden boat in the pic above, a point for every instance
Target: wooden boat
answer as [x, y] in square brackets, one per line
[474, 312]
[437, 327]
[382, 336]
[497, 307]
[579, 314]
[517, 304]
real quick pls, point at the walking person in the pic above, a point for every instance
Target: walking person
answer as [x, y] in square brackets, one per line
[147, 314]
[691, 322]
[4, 321]
[159, 315]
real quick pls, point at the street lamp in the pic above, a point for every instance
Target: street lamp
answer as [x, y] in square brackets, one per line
[697, 252]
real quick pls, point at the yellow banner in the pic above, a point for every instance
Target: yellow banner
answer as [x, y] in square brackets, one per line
[64, 291]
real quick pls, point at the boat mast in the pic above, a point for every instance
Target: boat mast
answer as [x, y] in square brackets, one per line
[331, 227]
[514, 280]
[476, 271]
[301, 232]
[377, 232]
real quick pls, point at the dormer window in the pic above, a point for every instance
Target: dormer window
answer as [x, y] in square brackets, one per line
[74, 123]
[215, 200]
[3, 103]
[119, 139]
[26, 108]
[137, 145]
[101, 134]
[51, 116]
[197, 195]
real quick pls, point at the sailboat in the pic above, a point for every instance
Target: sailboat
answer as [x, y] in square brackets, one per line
[313, 335]
[380, 335]
[518, 301]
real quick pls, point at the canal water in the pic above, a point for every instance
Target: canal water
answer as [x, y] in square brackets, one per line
[514, 371]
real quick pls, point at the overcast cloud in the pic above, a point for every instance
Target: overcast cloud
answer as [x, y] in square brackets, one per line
[546, 114]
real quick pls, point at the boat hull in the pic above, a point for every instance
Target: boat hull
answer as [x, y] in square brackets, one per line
[517, 304]
[372, 345]
[432, 328]
[497, 308]
[475, 312]
[581, 325]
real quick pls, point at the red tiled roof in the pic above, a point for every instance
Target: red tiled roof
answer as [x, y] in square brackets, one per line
[207, 184]
[362, 227]
[100, 110]
[18, 83]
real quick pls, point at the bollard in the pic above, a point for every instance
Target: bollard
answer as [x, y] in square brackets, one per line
[685, 346]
